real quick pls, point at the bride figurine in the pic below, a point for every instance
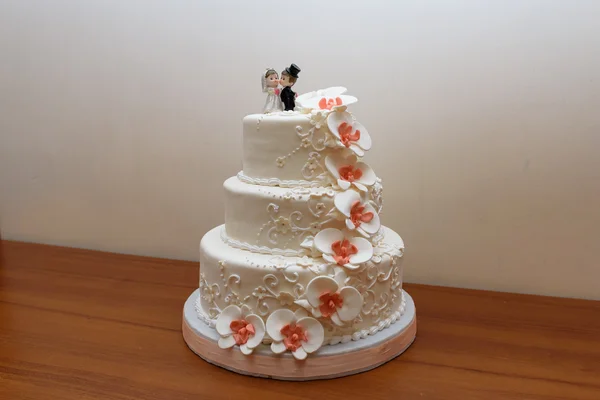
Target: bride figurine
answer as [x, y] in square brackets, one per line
[270, 83]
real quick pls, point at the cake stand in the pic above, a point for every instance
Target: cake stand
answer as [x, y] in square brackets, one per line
[331, 361]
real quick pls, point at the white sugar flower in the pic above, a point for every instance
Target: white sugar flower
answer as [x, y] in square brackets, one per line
[346, 252]
[312, 164]
[326, 99]
[295, 332]
[286, 298]
[282, 224]
[235, 328]
[360, 216]
[349, 171]
[330, 299]
[349, 133]
[318, 118]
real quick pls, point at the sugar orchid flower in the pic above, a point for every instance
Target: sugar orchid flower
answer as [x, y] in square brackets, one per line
[360, 216]
[330, 299]
[347, 252]
[349, 133]
[235, 328]
[348, 171]
[295, 332]
[326, 99]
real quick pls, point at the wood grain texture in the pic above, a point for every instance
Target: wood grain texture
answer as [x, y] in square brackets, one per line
[78, 324]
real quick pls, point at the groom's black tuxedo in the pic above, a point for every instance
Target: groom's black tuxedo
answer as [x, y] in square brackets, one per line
[288, 97]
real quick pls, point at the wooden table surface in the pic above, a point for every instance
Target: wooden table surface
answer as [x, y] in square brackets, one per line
[78, 324]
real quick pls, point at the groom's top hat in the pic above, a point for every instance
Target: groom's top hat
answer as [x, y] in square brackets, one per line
[293, 71]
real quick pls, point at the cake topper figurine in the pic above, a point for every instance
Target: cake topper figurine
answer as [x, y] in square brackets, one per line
[270, 82]
[289, 76]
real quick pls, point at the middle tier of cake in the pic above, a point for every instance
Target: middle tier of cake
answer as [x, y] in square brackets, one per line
[275, 220]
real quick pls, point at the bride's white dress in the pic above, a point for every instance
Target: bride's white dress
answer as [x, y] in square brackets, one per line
[273, 102]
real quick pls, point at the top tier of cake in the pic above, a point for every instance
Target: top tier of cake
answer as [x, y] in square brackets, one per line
[284, 149]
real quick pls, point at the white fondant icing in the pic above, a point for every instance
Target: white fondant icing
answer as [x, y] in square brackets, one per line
[279, 219]
[285, 147]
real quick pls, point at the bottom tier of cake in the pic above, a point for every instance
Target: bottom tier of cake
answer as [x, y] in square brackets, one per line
[263, 283]
[328, 362]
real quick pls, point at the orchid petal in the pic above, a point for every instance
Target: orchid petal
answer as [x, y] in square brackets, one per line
[319, 286]
[277, 320]
[325, 238]
[245, 349]
[374, 224]
[259, 330]
[303, 303]
[314, 332]
[334, 91]
[329, 258]
[346, 100]
[360, 186]
[299, 354]
[227, 316]
[357, 150]
[278, 347]
[365, 139]
[334, 120]
[226, 342]
[350, 224]
[313, 101]
[344, 185]
[331, 163]
[340, 277]
[365, 250]
[368, 178]
[343, 201]
[351, 305]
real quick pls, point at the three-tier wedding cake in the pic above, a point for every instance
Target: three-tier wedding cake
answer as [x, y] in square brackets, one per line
[302, 281]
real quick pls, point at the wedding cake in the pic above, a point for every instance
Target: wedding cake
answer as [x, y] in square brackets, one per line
[302, 269]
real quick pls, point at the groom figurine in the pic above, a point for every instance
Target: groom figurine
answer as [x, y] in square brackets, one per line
[289, 76]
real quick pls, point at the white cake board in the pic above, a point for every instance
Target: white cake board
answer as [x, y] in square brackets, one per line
[328, 362]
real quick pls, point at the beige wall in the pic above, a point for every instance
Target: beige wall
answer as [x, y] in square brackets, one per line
[119, 121]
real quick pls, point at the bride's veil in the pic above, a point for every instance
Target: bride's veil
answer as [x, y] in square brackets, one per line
[263, 80]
